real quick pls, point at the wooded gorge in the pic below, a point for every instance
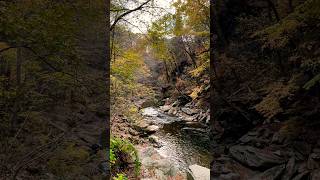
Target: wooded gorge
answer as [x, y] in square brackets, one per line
[159, 88]
[189, 89]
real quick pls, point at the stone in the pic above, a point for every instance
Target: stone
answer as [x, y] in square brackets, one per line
[312, 164]
[152, 128]
[230, 176]
[155, 140]
[291, 168]
[133, 132]
[270, 174]
[194, 130]
[189, 111]
[165, 108]
[315, 174]
[184, 99]
[199, 172]
[254, 157]
[140, 126]
[195, 124]
[150, 111]
[104, 167]
[208, 119]
[301, 176]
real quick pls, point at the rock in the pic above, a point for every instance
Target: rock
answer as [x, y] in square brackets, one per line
[160, 174]
[165, 108]
[150, 111]
[104, 167]
[301, 176]
[302, 147]
[199, 172]
[312, 163]
[133, 132]
[278, 139]
[152, 129]
[189, 111]
[173, 111]
[188, 118]
[155, 140]
[140, 126]
[195, 124]
[315, 175]
[315, 156]
[230, 176]
[270, 174]
[291, 168]
[148, 103]
[184, 99]
[254, 157]
[194, 130]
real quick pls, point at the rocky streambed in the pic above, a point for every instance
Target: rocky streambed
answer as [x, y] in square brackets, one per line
[180, 146]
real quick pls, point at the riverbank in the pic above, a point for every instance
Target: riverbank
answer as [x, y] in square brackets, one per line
[167, 144]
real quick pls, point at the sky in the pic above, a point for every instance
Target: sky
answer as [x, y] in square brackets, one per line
[139, 21]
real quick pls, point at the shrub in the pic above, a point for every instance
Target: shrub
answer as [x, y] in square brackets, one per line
[122, 155]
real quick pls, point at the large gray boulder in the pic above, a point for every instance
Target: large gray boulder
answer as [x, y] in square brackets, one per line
[199, 172]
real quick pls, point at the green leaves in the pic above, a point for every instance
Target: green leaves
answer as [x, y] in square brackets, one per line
[125, 67]
[118, 150]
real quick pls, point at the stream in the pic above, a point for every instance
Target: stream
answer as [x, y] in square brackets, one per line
[180, 143]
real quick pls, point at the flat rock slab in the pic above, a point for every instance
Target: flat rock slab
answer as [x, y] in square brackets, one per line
[152, 128]
[149, 111]
[156, 167]
[165, 108]
[189, 111]
[199, 172]
[255, 158]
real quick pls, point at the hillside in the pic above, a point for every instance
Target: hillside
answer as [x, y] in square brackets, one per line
[265, 95]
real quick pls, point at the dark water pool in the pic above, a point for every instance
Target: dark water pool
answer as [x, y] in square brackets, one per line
[180, 144]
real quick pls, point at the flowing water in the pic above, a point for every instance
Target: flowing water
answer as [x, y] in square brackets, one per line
[180, 144]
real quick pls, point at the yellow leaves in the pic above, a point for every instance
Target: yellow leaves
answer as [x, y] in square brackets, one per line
[197, 72]
[279, 35]
[126, 66]
[270, 105]
[195, 92]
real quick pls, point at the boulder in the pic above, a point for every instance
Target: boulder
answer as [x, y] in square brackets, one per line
[255, 158]
[199, 173]
[150, 111]
[133, 132]
[193, 124]
[189, 111]
[155, 140]
[194, 130]
[152, 129]
[165, 108]
[315, 175]
[230, 176]
[270, 174]
[184, 99]
[291, 169]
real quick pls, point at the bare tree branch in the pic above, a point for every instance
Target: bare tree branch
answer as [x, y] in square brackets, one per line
[126, 13]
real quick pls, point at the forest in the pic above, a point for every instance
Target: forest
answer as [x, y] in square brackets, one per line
[53, 100]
